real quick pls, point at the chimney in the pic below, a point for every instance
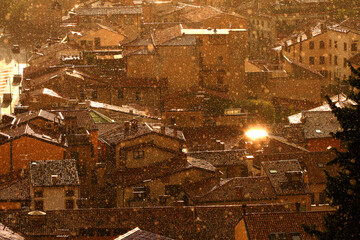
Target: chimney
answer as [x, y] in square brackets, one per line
[306, 177]
[54, 179]
[162, 129]
[134, 125]
[175, 130]
[127, 127]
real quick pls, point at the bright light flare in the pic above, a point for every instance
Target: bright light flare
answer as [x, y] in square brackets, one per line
[256, 134]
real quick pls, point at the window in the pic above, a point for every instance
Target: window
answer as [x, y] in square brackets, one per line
[83, 42]
[322, 44]
[354, 47]
[322, 60]
[311, 60]
[138, 154]
[345, 46]
[120, 93]
[345, 62]
[69, 204]
[39, 205]
[277, 236]
[39, 193]
[335, 60]
[69, 193]
[330, 59]
[311, 45]
[335, 44]
[330, 43]
[141, 192]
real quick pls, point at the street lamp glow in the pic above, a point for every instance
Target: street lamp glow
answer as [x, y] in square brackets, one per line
[256, 133]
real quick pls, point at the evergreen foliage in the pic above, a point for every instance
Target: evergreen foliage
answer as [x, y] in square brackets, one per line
[343, 189]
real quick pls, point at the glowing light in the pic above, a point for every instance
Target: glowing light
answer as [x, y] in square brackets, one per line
[256, 133]
[76, 6]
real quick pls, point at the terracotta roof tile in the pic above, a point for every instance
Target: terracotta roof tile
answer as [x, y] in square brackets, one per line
[238, 189]
[117, 135]
[215, 222]
[137, 234]
[43, 172]
[221, 157]
[277, 171]
[260, 225]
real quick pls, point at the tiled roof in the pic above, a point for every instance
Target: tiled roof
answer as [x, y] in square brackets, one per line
[239, 189]
[69, 72]
[303, 66]
[284, 141]
[43, 173]
[340, 100]
[215, 222]
[126, 109]
[29, 116]
[313, 162]
[8, 234]
[45, 91]
[276, 171]
[181, 41]
[259, 226]
[137, 234]
[18, 190]
[221, 157]
[319, 124]
[352, 23]
[26, 117]
[118, 135]
[35, 132]
[201, 14]
[105, 127]
[164, 35]
[124, 10]
[200, 163]
[161, 169]
[83, 118]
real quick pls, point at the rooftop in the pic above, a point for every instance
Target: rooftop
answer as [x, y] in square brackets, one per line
[137, 234]
[277, 172]
[117, 135]
[50, 173]
[261, 225]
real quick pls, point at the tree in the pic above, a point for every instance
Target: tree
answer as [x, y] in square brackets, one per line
[342, 9]
[262, 111]
[343, 189]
